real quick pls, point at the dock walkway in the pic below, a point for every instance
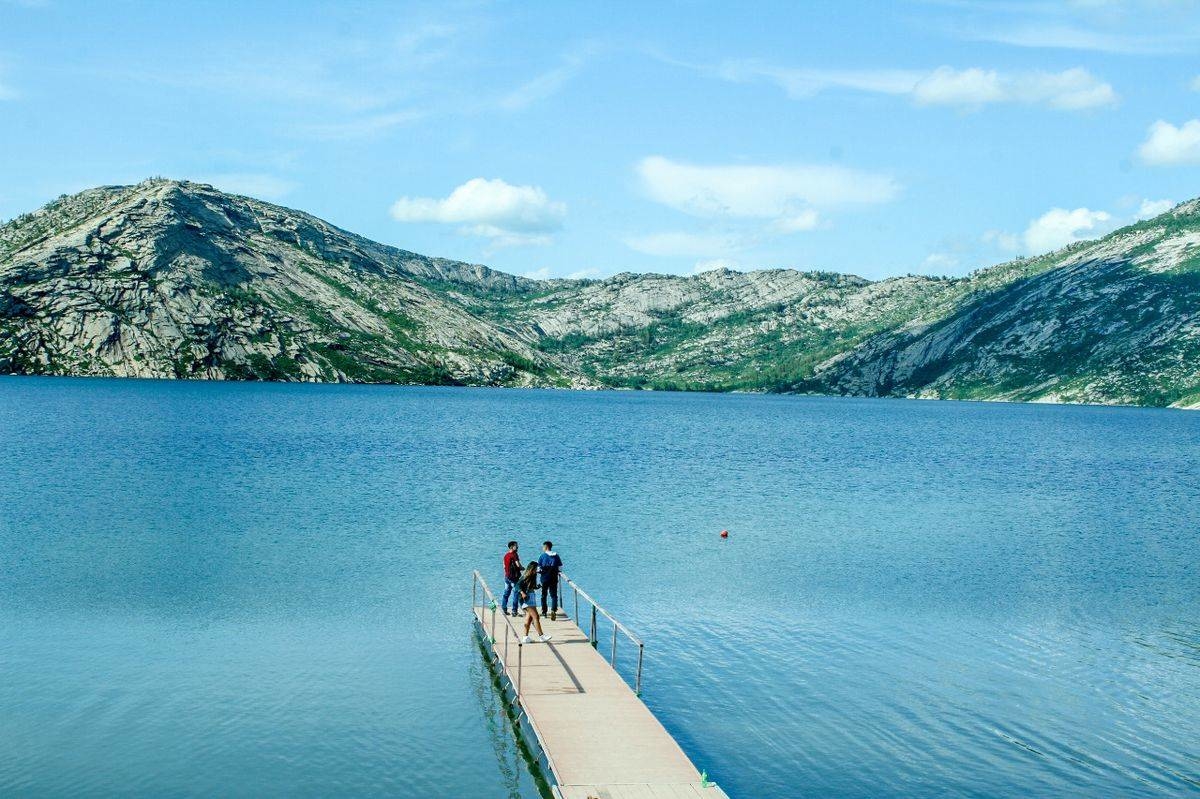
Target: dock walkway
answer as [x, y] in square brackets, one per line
[599, 739]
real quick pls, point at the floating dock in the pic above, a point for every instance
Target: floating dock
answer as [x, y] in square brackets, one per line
[597, 737]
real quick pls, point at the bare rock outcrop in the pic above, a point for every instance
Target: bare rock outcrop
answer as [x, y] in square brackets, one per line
[171, 279]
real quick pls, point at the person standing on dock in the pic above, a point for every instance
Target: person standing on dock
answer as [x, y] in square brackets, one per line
[550, 565]
[512, 575]
[528, 590]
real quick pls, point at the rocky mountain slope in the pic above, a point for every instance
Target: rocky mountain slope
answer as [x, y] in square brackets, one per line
[168, 279]
[174, 279]
[1113, 321]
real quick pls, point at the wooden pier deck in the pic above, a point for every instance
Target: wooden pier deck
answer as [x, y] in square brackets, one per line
[598, 737]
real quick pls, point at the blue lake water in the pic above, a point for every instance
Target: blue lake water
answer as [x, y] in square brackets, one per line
[214, 589]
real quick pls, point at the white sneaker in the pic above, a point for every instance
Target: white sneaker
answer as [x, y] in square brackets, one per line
[527, 640]
[545, 638]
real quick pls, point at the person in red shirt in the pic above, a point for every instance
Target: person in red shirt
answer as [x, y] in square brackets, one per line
[512, 575]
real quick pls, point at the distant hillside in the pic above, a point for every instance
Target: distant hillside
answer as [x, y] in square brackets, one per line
[178, 280]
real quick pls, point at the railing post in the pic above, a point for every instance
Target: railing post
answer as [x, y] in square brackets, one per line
[479, 584]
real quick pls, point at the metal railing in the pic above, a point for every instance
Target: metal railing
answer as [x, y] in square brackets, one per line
[593, 634]
[492, 604]
[478, 582]
[484, 600]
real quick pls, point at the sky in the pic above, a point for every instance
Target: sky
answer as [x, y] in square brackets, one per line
[561, 139]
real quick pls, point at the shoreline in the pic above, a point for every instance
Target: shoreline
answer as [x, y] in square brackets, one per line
[616, 389]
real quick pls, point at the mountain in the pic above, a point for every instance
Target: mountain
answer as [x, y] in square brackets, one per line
[171, 279]
[178, 280]
[1111, 321]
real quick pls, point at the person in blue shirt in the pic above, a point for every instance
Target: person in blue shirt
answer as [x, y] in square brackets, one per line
[550, 564]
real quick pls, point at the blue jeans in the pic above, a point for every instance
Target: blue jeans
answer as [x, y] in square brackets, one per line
[510, 588]
[550, 589]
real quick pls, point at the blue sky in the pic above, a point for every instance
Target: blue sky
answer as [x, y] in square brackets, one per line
[585, 139]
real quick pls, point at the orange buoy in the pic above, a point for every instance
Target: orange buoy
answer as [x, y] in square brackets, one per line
[724, 534]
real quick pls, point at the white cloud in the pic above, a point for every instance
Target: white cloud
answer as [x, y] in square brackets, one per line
[786, 194]
[539, 88]
[334, 86]
[1118, 9]
[546, 273]
[806, 219]
[691, 245]
[1071, 89]
[358, 127]
[508, 215]
[711, 264]
[549, 82]
[266, 187]
[1008, 242]
[1167, 144]
[1069, 37]
[1152, 208]
[939, 260]
[421, 47]
[803, 83]
[300, 79]
[333, 77]
[1059, 227]
[1126, 27]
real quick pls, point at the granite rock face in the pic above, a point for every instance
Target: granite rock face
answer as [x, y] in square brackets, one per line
[1114, 321]
[178, 280]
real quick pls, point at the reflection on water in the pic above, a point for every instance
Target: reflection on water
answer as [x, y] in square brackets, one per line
[262, 590]
[523, 774]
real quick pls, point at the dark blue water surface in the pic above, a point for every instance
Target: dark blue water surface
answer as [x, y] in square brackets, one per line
[248, 590]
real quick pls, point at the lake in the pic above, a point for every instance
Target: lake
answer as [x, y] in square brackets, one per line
[219, 589]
